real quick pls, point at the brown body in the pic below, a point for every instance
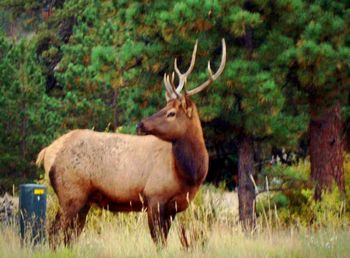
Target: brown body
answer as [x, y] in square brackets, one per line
[159, 173]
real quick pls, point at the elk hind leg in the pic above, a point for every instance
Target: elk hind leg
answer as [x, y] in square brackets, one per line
[72, 226]
[81, 219]
[54, 231]
[73, 219]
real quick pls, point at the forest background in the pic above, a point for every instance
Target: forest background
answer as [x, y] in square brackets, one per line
[283, 99]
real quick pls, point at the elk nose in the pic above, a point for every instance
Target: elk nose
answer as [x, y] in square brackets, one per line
[139, 128]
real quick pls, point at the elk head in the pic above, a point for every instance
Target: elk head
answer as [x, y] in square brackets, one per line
[180, 113]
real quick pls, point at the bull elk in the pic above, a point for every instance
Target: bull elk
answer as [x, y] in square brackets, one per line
[159, 171]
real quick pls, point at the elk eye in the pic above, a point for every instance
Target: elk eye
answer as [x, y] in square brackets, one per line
[171, 114]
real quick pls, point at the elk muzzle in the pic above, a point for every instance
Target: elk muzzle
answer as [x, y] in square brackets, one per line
[140, 129]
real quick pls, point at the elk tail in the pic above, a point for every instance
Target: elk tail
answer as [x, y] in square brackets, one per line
[40, 159]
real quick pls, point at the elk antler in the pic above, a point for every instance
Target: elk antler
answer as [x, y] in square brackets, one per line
[212, 77]
[183, 76]
[169, 91]
[173, 92]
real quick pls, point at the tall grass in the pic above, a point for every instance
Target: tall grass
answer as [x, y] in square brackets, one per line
[211, 228]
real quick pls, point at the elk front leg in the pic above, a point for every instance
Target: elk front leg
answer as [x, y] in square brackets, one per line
[159, 222]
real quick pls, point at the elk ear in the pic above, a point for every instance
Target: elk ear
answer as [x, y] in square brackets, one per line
[187, 105]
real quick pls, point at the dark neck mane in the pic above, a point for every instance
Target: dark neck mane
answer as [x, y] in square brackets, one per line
[191, 157]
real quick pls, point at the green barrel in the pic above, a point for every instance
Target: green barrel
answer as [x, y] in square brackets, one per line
[32, 208]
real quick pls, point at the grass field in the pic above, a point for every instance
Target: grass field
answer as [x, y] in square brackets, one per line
[211, 228]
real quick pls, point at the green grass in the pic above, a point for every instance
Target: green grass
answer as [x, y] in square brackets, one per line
[211, 227]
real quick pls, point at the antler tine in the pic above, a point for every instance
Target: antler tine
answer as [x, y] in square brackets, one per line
[167, 97]
[183, 76]
[212, 77]
[169, 89]
[171, 82]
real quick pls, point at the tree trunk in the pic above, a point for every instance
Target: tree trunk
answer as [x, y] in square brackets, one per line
[326, 149]
[246, 170]
[246, 189]
[347, 136]
[347, 130]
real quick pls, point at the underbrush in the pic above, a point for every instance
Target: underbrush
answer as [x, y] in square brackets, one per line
[286, 198]
[210, 225]
[289, 223]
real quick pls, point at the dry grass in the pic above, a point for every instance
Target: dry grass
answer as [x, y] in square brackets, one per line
[211, 227]
[133, 240]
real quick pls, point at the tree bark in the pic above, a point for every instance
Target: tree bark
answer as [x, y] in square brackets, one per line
[326, 148]
[246, 189]
[246, 170]
[347, 130]
[347, 136]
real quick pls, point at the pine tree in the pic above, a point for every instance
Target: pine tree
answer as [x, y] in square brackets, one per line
[315, 63]
[87, 71]
[323, 59]
[28, 117]
[248, 100]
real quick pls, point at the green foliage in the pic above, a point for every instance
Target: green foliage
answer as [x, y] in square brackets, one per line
[28, 119]
[19, 16]
[255, 101]
[290, 191]
[241, 19]
[110, 70]
[321, 52]
[330, 212]
[87, 70]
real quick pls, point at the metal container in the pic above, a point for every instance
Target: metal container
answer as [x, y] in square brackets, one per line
[32, 208]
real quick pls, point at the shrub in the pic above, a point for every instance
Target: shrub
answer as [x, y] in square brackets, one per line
[290, 193]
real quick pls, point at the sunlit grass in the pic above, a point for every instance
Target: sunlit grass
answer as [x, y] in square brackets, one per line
[211, 227]
[133, 240]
